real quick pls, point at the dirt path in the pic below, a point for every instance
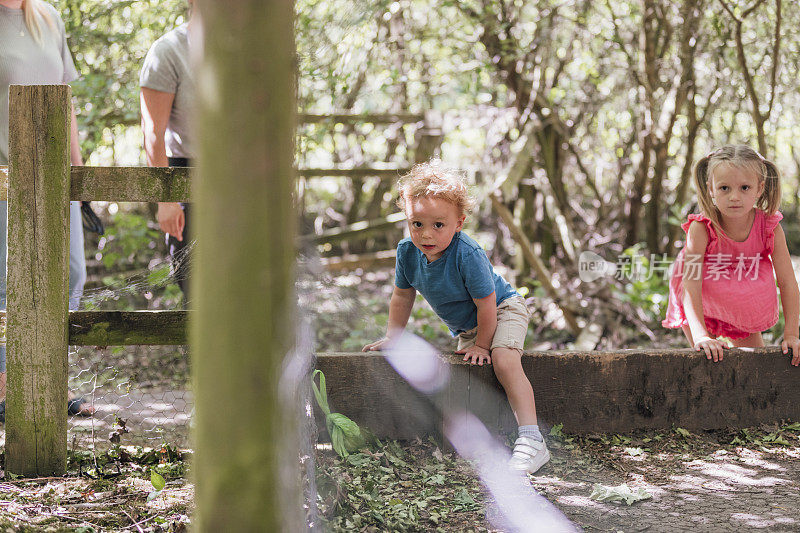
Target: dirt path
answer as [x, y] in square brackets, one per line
[152, 416]
[726, 490]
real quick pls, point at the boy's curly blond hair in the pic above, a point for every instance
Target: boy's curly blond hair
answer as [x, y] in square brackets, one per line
[437, 180]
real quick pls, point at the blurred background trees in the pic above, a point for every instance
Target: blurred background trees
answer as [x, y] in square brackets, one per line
[585, 117]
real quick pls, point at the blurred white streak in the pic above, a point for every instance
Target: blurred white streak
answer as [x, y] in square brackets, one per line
[294, 388]
[521, 507]
[418, 363]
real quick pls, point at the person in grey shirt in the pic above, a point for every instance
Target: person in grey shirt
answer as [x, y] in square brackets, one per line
[34, 52]
[167, 99]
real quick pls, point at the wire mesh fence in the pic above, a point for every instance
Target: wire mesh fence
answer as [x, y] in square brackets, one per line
[134, 395]
[140, 395]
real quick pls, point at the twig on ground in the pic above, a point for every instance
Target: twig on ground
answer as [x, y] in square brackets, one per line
[135, 523]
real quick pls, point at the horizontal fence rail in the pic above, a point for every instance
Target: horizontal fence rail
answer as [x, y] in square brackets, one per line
[130, 184]
[364, 118]
[170, 184]
[384, 258]
[360, 230]
[125, 328]
[354, 172]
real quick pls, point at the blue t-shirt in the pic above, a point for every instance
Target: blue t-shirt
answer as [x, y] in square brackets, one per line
[450, 283]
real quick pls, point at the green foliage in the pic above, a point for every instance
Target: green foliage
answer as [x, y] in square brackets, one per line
[133, 266]
[645, 284]
[788, 435]
[346, 436]
[396, 488]
[427, 324]
[108, 40]
[158, 484]
[127, 235]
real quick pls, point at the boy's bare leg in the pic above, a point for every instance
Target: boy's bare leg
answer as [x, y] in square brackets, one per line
[507, 363]
[754, 340]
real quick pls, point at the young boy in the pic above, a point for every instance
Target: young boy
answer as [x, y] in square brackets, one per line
[479, 307]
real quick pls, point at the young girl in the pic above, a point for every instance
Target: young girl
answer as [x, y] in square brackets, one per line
[722, 284]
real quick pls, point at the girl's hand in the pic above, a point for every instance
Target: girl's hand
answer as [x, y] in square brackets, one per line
[793, 343]
[476, 354]
[711, 346]
[377, 345]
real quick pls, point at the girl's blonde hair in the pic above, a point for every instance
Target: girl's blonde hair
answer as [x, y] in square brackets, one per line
[743, 157]
[435, 179]
[35, 11]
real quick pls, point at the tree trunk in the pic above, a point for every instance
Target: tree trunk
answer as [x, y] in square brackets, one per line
[243, 272]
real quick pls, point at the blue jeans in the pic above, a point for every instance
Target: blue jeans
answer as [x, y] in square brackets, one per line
[77, 261]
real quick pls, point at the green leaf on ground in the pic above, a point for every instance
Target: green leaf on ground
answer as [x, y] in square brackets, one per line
[157, 480]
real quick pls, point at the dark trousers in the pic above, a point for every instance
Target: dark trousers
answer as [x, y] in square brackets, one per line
[179, 251]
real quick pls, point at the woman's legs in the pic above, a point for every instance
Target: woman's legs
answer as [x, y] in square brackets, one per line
[77, 276]
[77, 256]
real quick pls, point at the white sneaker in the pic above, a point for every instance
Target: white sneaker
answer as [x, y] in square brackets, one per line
[529, 455]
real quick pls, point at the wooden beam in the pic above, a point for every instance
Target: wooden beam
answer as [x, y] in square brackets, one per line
[131, 184]
[123, 328]
[589, 392]
[364, 118]
[171, 184]
[38, 271]
[359, 230]
[357, 172]
[384, 258]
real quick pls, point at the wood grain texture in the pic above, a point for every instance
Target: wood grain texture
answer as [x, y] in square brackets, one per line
[38, 251]
[357, 230]
[363, 118]
[243, 277]
[383, 258]
[358, 172]
[131, 184]
[124, 328]
[586, 391]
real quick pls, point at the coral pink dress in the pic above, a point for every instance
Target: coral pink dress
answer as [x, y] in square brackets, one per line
[739, 294]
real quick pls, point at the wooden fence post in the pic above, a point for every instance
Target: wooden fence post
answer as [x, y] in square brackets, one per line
[38, 271]
[243, 275]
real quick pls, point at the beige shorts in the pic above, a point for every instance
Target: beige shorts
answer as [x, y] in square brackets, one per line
[512, 326]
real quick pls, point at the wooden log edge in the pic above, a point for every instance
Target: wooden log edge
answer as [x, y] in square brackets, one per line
[588, 392]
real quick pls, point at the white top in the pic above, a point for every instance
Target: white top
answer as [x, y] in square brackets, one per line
[23, 61]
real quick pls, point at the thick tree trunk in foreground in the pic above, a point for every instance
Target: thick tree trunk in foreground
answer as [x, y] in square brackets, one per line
[243, 275]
